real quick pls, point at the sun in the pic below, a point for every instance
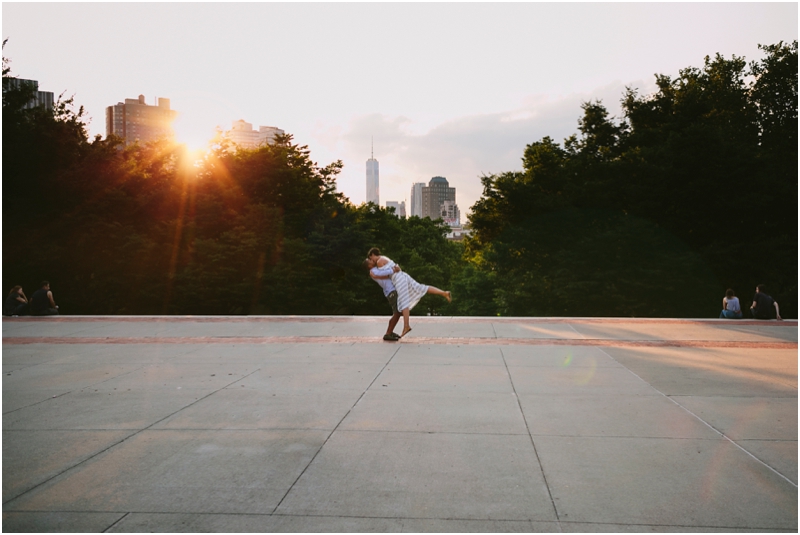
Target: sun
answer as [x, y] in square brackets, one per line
[193, 134]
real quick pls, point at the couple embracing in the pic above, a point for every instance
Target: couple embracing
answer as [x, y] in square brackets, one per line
[402, 291]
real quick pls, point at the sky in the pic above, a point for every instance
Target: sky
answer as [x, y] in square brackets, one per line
[435, 89]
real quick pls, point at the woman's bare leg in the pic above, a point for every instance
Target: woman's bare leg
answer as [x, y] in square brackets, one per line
[406, 319]
[436, 291]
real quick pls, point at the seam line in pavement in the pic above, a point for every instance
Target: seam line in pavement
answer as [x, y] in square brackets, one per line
[334, 430]
[401, 518]
[720, 433]
[71, 391]
[117, 521]
[530, 437]
[36, 486]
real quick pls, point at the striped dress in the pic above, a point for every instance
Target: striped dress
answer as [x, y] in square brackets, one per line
[409, 291]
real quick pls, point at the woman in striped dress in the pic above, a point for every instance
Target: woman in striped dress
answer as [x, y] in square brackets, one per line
[409, 291]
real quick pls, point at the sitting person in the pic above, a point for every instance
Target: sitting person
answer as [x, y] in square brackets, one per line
[764, 306]
[42, 303]
[16, 304]
[730, 306]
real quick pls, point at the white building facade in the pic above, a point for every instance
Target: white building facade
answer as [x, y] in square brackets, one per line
[245, 136]
[399, 207]
[373, 182]
[415, 207]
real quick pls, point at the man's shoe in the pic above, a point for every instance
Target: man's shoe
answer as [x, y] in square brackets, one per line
[391, 337]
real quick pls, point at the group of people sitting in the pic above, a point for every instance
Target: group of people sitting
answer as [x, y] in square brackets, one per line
[40, 304]
[764, 307]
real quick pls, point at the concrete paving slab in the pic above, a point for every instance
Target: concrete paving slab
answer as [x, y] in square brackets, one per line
[444, 378]
[248, 408]
[699, 377]
[558, 357]
[15, 399]
[456, 354]
[58, 522]
[423, 475]
[313, 424]
[780, 455]
[581, 527]
[300, 377]
[530, 330]
[578, 380]
[709, 330]
[102, 410]
[32, 457]
[687, 482]
[244, 523]
[746, 417]
[610, 415]
[434, 412]
[183, 472]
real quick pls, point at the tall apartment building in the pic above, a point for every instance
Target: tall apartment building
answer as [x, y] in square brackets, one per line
[134, 120]
[243, 134]
[450, 213]
[434, 197]
[40, 98]
[373, 182]
[399, 207]
[415, 207]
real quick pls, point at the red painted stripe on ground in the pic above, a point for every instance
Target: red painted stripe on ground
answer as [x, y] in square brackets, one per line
[23, 340]
[382, 319]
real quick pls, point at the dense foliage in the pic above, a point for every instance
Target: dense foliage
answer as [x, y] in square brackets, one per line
[694, 190]
[154, 229]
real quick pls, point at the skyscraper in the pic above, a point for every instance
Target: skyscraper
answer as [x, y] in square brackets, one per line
[373, 184]
[134, 120]
[433, 201]
[416, 199]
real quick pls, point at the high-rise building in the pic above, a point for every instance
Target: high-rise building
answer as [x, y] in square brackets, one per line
[399, 207]
[39, 98]
[134, 120]
[450, 213]
[416, 199]
[434, 197]
[373, 183]
[243, 134]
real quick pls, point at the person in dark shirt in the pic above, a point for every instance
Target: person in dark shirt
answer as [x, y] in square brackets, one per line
[762, 307]
[42, 303]
[16, 304]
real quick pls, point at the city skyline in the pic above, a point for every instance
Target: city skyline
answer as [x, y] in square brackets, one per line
[444, 103]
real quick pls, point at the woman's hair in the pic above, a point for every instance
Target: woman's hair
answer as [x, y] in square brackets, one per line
[15, 289]
[374, 251]
[729, 293]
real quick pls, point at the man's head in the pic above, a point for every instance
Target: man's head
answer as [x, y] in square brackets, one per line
[368, 264]
[761, 289]
[374, 254]
[45, 285]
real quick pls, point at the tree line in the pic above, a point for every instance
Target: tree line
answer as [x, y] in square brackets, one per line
[654, 214]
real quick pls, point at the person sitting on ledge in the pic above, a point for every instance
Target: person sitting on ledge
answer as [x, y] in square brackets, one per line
[730, 306]
[42, 303]
[762, 307]
[16, 304]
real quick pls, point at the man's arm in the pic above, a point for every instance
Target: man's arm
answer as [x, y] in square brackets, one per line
[777, 310]
[383, 272]
[50, 297]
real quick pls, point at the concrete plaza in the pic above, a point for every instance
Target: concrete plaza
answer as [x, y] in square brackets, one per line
[307, 424]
